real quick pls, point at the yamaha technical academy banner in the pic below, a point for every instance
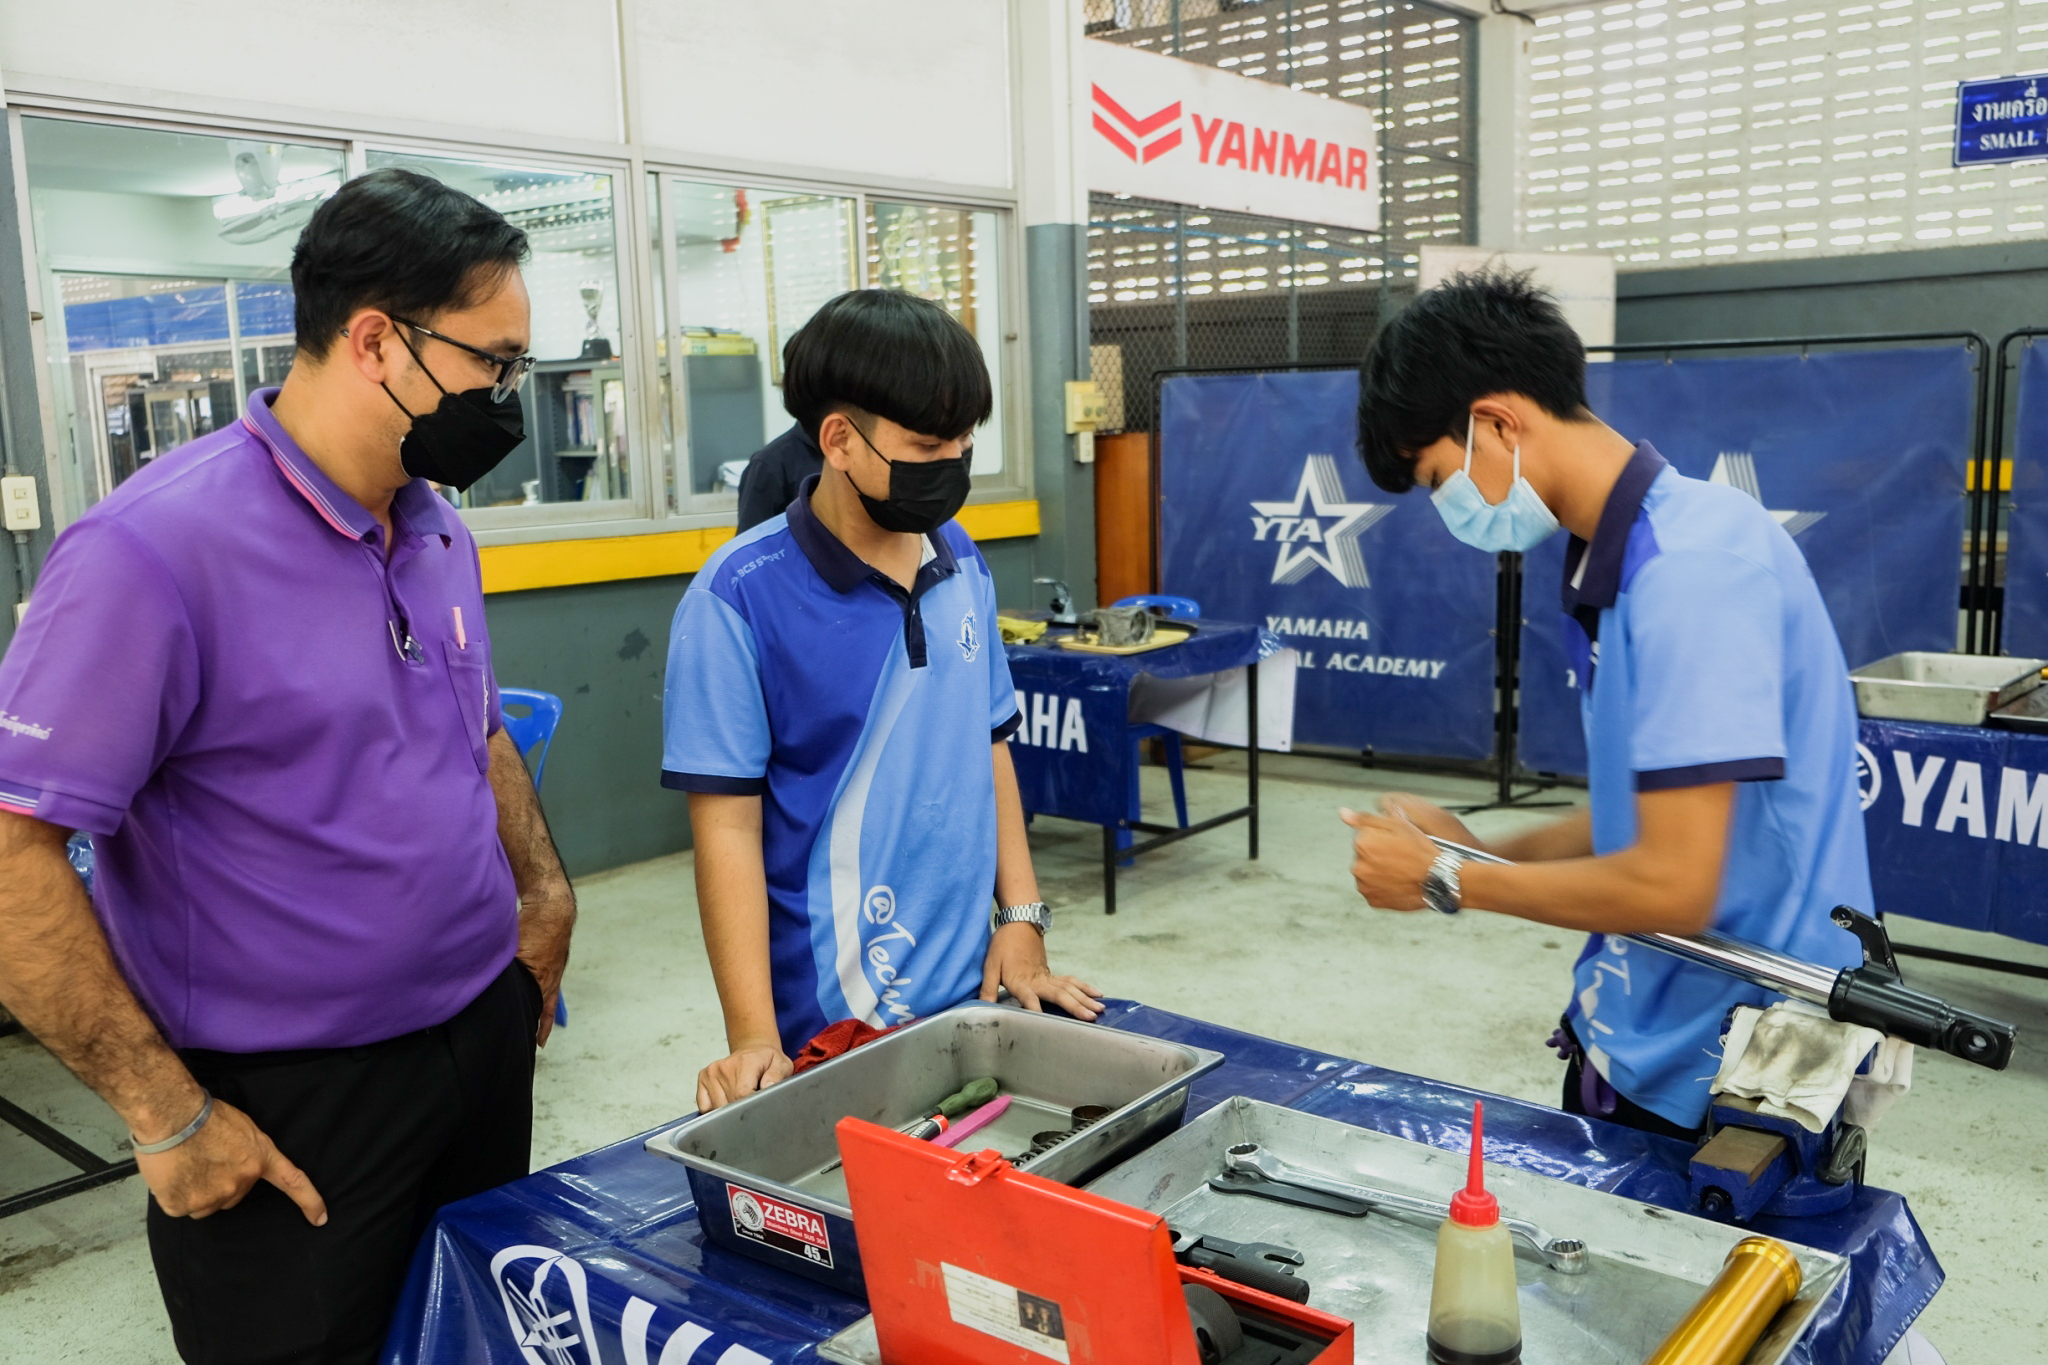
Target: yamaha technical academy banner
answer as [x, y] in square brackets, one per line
[1267, 515]
[1860, 455]
[2026, 558]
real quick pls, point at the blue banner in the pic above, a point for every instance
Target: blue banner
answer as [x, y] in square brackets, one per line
[2026, 553]
[1957, 818]
[2000, 120]
[1267, 515]
[1860, 455]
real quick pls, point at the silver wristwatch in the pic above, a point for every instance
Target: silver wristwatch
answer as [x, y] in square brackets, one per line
[1440, 884]
[1035, 914]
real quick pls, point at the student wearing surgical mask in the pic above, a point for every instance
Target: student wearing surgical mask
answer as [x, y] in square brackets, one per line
[1720, 725]
[839, 709]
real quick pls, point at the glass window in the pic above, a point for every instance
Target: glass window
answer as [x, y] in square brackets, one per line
[166, 254]
[746, 268]
[951, 256]
[578, 446]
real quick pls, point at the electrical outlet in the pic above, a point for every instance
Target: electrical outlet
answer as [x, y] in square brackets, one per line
[23, 510]
[1086, 407]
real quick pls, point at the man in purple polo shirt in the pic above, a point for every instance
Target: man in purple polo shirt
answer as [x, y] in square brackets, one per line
[331, 922]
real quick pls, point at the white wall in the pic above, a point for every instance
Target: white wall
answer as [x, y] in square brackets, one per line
[895, 90]
[512, 66]
[906, 89]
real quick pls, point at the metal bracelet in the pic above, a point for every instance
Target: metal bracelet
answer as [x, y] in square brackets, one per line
[182, 1135]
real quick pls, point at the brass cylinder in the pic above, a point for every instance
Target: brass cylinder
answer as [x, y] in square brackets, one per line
[1759, 1277]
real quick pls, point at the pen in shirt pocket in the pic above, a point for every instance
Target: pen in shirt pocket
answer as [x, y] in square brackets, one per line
[461, 635]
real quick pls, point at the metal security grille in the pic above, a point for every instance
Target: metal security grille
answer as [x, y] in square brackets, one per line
[1673, 132]
[1172, 286]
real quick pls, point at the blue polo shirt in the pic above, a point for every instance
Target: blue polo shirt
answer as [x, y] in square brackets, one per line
[864, 717]
[1711, 658]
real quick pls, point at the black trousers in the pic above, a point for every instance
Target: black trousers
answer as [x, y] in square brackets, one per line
[387, 1133]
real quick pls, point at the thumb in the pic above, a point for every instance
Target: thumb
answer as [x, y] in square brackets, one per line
[289, 1178]
[1353, 818]
[991, 979]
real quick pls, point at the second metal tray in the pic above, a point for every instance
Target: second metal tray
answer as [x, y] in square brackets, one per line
[1648, 1264]
[1951, 689]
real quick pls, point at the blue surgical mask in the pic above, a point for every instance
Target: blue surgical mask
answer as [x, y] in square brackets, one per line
[1517, 522]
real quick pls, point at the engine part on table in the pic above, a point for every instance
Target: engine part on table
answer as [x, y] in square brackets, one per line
[1085, 1114]
[1759, 1277]
[1217, 1332]
[1872, 995]
[1566, 1255]
[1246, 1182]
[1119, 625]
[1264, 1266]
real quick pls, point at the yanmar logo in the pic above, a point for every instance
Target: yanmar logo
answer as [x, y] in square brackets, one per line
[1127, 132]
[1225, 142]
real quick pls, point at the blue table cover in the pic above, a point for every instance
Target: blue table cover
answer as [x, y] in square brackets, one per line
[1957, 819]
[600, 1261]
[1072, 755]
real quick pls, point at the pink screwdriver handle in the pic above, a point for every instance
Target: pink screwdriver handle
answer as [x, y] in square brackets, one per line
[970, 1124]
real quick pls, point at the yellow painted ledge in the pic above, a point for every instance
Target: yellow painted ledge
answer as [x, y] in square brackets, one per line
[605, 559]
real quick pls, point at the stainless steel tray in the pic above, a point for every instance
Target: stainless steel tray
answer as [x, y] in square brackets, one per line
[1648, 1264]
[780, 1142]
[1952, 689]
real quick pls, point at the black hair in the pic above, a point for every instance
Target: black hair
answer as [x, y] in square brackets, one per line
[889, 353]
[400, 241]
[1485, 332]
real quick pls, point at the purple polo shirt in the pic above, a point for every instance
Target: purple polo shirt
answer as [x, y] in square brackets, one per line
[297, 843]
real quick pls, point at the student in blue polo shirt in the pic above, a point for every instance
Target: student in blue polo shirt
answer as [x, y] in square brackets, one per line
[1720, 726]
[839, 708]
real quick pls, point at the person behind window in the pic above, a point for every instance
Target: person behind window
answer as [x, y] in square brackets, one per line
[839, 707]
[331, 921]
[1720, 725]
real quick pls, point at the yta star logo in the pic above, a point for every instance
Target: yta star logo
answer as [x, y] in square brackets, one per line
[1737, 469]
[1305, 542]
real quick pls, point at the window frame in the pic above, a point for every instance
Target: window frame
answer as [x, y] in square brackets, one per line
[629, 165]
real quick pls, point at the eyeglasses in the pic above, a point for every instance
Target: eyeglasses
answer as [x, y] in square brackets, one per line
[512, 370]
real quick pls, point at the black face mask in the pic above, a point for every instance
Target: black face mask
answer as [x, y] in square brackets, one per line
[923, 496]
[464, 438]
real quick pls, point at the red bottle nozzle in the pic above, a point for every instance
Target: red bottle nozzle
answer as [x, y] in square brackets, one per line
[1473, 1206]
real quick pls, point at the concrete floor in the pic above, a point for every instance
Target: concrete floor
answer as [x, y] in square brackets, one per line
[1281, 947]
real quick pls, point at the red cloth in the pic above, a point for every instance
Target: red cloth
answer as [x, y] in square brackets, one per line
[836, 1040]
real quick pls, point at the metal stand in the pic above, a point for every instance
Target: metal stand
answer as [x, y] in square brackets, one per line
[1507, 655]
[93, 1170]
[1173, 834]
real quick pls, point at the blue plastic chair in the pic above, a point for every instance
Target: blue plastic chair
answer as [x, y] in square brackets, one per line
[1177, 609]
[535, 730]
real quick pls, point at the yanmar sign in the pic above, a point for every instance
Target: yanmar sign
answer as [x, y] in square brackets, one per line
[1161, 128]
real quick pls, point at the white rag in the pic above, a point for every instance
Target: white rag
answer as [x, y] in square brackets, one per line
[1802, 1065]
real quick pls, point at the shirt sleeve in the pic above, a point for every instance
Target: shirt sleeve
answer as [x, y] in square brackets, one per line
[98, 684]
[714, 717]
[1706, 658]
[1003, 716]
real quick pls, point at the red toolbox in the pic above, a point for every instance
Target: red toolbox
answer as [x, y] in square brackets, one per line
[971, 1262]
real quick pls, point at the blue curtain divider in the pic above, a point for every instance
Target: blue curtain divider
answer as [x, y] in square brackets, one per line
[1860, 454]
[2025, 631]
[1267, 516]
